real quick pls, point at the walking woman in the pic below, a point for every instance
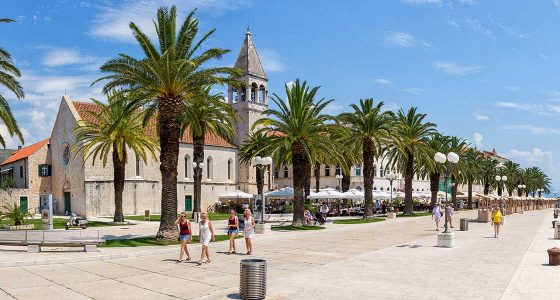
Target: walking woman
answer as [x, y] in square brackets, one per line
[248, 230]
[449, 214]
[184, 235]
[205, 234]
[436, 215]
[497, 221]
[233, 230]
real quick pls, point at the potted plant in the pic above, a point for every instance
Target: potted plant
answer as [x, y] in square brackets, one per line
[14, 213]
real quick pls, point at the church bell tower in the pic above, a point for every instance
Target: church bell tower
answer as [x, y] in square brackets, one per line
[249, 102]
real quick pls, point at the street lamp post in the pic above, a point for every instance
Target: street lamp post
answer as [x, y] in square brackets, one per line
[540, 191]
[448, 162]
[339, 177]
[197, 169]
[501, 181]
[391, 176]
[261, 163]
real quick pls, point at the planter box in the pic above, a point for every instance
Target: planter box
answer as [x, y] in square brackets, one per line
[483, 215]
[262, 228]
[391, 216]
[446, 240]
[19, 227]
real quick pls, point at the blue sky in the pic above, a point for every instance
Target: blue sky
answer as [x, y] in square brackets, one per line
[483, 70]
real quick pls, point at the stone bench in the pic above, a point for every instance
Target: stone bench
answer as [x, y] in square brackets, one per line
[35, 239]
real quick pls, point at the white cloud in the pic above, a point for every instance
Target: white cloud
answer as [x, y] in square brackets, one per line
[542, 55]
[478, 138]
[536, 155]
[419, 2]
[383, 81]
[456, 69]
[12, 142]
[399, 39]
[481, 117]
[111, 21]
[512, 88]
[471, 24]
[538, 109]
[270, 60]
[536, 130]
[57, 57]
[414, 90]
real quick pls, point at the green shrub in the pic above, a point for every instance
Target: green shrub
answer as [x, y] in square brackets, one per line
[288, 208]
[14, 213]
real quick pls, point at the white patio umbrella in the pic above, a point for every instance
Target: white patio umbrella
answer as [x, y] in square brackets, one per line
[381, 195]
[353, 194]
[325, 195]
[235, 195]
[286, 192]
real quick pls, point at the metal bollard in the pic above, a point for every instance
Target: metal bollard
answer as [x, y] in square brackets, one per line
[252, 279]
[464, 224]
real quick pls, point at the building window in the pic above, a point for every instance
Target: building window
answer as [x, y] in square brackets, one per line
[337, 170]
[188, 166]
[374, 171]
[327, 171]
[358, 170]
[229, 169]
[137, 167]
[275, 172]
[285, 172]
[381, 171]
[209, 171]
[20, 171]
[44, 170]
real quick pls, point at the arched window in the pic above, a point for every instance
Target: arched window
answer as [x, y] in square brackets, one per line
[243, 93]
[394, 189]
[327, 170]
[337, 170]
[358, 170]
[375, 188]
[209, 168]
[254, 91]
[374, 171]
[137, 167]
[275, 172]
[188, 166]
[235, 96]
[262, 94]
[229, 169]
[381, 171]
[285, 172]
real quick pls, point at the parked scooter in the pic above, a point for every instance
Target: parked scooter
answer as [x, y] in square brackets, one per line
[76, 221]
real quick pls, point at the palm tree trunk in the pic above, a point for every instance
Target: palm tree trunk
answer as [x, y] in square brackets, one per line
[299, 164]
[345, 181]
[259, 173]
[198, 157]
[454, 192]
[169, 134]
[486, 187]
[434, 186]
[367, 156]
[317, 172]
[409, 174]
[307, 179]
[118, 183]
[469, 196]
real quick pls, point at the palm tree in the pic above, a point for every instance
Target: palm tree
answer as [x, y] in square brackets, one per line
[437, 143]
[369, 128]
[164, 81]
[205, 114]
[255, 145]
[8, 79]
[511, 170]
[409, 148]
[471, 174]
[109, 132]
[488, 171]
[298, 131]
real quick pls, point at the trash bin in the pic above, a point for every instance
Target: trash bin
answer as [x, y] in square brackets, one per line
[252, 279]
[554, 256]
[464, 224]
[554, 224]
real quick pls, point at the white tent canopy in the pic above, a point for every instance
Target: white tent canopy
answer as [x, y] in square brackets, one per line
[353, 194]
[325, 194]
[380, 194]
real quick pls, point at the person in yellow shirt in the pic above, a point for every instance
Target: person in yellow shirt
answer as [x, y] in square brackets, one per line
[497, 221]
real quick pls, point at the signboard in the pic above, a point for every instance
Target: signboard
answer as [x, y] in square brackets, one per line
[46, 208]
[442, 186]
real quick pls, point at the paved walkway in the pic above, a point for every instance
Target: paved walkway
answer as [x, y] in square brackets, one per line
[385, 260]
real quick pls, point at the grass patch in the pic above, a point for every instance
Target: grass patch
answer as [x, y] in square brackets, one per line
[151, 241]
[416, 214]
[296, 228]
[358, 221]
[58, 223]
[213, 216]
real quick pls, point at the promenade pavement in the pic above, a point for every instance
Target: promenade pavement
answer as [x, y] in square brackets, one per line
[387, 260]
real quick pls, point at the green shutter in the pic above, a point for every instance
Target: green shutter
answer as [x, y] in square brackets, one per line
[50, 170]
[40, 170]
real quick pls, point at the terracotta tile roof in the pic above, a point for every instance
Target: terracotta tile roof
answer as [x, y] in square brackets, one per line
[209, 139]
[25, 152]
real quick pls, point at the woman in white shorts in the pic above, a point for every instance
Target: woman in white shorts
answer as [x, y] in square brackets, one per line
[248, 230]
[205, 234]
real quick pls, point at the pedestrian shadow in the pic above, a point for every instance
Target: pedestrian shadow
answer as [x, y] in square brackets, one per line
[234, 296]
[409, 246]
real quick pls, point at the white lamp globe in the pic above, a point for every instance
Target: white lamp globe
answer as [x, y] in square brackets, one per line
[440, 157]
[201, 165]
[504, 178]
[267, 160]
[257, 160]
[498, 178]
[453, 157]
